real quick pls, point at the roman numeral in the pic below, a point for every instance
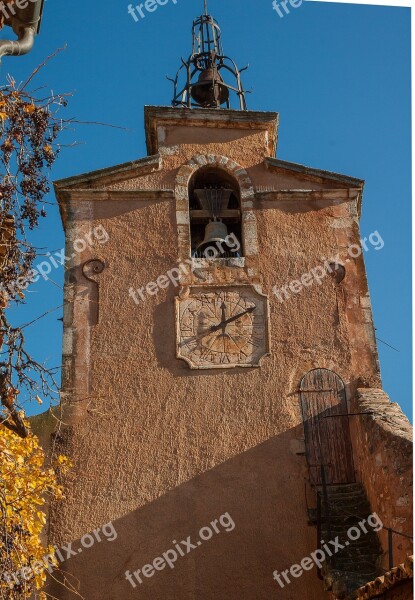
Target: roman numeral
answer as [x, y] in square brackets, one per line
[225, 359]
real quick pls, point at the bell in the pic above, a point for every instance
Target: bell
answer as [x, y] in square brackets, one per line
[210, 89]
[215, 243]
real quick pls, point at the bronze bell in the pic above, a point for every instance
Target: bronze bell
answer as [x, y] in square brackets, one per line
[214, 245]
[210, 89]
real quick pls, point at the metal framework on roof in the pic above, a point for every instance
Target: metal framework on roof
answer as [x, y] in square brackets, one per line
[206, 70]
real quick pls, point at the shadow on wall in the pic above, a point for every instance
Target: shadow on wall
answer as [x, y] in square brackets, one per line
[262, 493]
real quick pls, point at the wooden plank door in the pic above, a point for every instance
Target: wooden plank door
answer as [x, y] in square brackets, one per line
[326, 427]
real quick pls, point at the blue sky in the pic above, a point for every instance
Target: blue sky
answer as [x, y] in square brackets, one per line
[339, 75]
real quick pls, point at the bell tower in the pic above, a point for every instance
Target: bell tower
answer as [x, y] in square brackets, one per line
[221, 322]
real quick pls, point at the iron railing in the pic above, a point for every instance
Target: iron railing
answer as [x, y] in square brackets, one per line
[323, 516]
[391, 532]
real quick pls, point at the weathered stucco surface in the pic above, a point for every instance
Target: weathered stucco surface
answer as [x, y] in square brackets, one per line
[384, 460]
[161, 450]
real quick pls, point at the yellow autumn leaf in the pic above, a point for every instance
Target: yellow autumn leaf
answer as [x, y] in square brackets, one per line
[41, 516]
[25, 481]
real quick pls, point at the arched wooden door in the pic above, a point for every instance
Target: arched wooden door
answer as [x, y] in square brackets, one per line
[326, 427]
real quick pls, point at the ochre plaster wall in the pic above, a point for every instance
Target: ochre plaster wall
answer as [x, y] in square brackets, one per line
[161, 450]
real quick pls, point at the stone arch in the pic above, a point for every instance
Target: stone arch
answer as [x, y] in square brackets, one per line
[247, 195]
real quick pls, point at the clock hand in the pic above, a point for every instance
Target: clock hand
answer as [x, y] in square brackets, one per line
[195, 337]
[200, 335]
[231, 319]
[223, 307]
[217, 327]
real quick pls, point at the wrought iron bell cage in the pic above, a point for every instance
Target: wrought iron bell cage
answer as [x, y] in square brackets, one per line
[206, 36]
[205, 70]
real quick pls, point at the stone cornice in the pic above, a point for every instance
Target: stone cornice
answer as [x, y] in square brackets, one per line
[312, 174]
[320, 176]
[209, 117]
[289, 199]
[80, 194]
[326, 194]
[111, 175]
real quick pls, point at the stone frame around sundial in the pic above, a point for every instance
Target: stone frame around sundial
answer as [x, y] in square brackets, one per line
[247, 340]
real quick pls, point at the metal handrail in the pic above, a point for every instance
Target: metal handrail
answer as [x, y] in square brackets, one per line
[390, 543]
[320, 517]
[323, 513]
[319, 520]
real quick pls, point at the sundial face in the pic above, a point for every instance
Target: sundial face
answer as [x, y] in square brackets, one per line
[222, 328]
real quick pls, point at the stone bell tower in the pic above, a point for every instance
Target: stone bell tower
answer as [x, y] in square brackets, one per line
[205, 342]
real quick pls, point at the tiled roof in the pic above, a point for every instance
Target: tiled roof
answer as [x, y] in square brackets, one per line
[387, 582]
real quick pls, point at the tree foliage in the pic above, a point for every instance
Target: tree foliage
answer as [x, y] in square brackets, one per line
[26, 483]
[29, 127]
